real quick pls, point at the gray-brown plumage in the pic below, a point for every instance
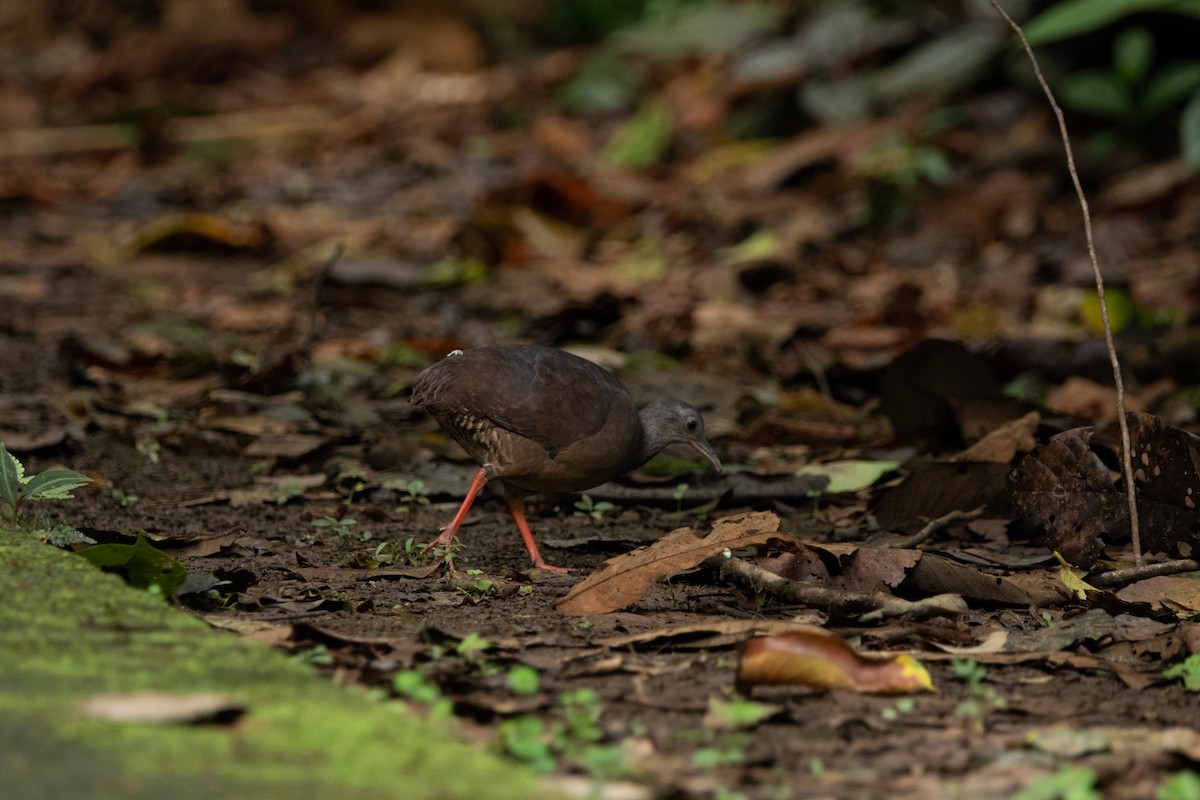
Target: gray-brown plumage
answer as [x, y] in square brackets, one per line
[542, 420]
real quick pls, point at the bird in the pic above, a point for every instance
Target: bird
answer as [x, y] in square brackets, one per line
[540, 419]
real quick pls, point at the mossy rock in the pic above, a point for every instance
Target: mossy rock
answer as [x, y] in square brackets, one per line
[69, 632]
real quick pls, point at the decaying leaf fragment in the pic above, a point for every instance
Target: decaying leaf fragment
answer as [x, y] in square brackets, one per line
[820, 660]
[1070, 491]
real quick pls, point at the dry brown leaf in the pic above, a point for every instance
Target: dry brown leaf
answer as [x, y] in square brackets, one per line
[820, 660]
[624, 580]
[1003, 444]
[935, 574]
[1176, 592]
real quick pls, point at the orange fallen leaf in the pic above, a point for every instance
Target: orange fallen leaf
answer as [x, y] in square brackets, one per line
[821, 660]
[624, 580]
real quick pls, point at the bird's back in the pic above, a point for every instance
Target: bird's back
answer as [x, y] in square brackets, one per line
[544, 419]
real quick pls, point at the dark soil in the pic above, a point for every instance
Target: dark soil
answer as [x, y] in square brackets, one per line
[312, 591]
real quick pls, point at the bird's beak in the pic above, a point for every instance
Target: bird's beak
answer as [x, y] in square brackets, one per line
[706, 450]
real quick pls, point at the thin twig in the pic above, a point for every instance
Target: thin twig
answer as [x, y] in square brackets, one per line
[932, 527]
[1122, 577]
[838, 602]
[1126, 450]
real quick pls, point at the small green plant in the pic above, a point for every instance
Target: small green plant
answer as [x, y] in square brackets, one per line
[318, 656]
[149, 448]
[726, 732]
[18, 489]
[343, 527]
[446, 553]
[585, 507]
[472, 647]
[1183, 785]
[415, 494]
[982, 699]
[1069, 783]
[393, 551]
[1139, 92]
[574, 735]
[125, 500]
[677, 495]
[476, 584]
[1188, 671]
[415, 686]
[523, 679]
[903, 706]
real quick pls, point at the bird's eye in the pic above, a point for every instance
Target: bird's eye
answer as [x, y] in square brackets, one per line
[692, 424]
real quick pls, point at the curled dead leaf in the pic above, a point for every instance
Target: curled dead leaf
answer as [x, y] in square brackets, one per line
[821, 660]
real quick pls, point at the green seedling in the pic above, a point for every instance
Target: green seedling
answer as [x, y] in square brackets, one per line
[677, 495]
[726, 732]
[1069, 783]
[477, 583]
[1188, 671]
[390, 552]
[18, 489]
[150, 449]
[585, 507]
[342, 527]
[318, 656]
[472, 647]
[982, 699]
[523, 679]
[904, 705]
[574, 735]
[415, 686]
[415, 494]
[124, 500]
[1183, 785]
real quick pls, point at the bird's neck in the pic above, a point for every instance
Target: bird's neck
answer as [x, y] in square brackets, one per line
[653, 440]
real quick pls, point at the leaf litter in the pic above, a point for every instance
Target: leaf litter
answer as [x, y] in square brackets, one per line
[180, 358]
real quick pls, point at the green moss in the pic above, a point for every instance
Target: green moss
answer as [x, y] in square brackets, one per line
[69, 631]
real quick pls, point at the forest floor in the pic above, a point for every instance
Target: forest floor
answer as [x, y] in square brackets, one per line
[183, 328]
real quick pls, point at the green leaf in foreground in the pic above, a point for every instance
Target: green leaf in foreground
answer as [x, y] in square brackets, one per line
[140, 564]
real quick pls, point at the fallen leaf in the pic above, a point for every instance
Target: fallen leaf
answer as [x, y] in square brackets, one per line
[820, 660]
[161, 707]
[935, 574]
[849, 476]
[1003, 444]
[1068, 490]
[624, 580]
[140, 564]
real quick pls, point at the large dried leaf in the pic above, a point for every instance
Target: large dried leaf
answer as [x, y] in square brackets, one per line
[624, 580]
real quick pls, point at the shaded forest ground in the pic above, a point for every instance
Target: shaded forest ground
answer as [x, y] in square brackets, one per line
[183, 329]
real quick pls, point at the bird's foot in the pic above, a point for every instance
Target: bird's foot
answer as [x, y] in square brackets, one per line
[551, 568]
[443, 547]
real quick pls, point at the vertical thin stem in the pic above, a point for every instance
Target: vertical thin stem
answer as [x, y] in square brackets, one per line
[1126, 450]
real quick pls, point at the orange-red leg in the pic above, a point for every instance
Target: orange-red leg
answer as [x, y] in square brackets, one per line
[446, 537]
[517, 507]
